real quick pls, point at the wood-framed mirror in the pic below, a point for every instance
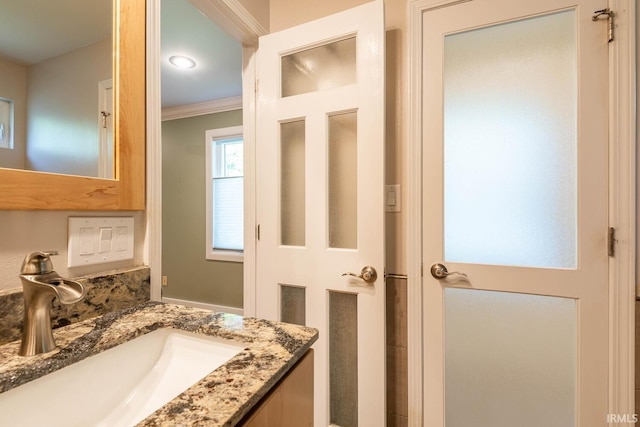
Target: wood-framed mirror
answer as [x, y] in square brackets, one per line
[30, 190]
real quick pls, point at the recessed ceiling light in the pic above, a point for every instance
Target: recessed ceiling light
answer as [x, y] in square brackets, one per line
[182, 61]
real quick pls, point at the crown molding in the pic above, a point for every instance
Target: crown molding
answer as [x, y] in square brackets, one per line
[202, 108]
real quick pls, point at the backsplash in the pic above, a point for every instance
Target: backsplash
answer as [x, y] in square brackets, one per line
[105, 292]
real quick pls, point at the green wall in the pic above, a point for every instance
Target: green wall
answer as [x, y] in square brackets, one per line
[190, 275]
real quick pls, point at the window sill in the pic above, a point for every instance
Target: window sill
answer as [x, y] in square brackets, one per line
[230, 256]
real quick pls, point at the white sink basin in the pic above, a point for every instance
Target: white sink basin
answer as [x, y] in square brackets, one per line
[120, 386]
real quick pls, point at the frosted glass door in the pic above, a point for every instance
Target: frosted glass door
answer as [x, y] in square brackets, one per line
[320, 181]
[515, 197]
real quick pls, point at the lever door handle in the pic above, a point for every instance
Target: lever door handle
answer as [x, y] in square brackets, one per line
[368, 274]
[439, 271]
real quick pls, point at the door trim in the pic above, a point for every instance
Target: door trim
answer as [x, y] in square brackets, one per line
[414, 213]
[622, 209]
[249, 89]
[153, 213]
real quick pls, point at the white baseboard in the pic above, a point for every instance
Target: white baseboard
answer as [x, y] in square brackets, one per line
[212, 307]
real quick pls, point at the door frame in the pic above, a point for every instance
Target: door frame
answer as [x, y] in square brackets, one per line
[236, 20]
[622, 208]
[103, 142]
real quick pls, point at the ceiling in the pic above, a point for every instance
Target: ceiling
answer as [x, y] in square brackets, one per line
[34, 30]
[218, 73]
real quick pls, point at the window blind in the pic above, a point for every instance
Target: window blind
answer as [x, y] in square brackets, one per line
[228, 211]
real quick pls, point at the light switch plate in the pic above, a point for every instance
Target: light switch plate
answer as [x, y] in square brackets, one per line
[99, 240]
[392, 198]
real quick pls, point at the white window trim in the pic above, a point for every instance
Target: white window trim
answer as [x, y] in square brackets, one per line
[10, 125]
[217, 254]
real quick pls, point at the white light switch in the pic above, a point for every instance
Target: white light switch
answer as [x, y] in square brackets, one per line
[121, 239]
[86, 240]
[105, 240]
[393, 198]
[97, 240]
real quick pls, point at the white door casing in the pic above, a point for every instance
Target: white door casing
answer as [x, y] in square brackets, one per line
[587, 283]
[314, 265]
[106, 150]
[239, 22]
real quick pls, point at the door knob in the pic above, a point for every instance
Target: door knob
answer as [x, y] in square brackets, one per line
[368, 274]
[439, 271]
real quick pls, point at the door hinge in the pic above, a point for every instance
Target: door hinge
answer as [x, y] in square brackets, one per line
[609, 16]
[258, 232]
[611, 242]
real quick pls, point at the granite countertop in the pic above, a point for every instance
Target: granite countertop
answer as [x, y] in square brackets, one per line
[221, 398]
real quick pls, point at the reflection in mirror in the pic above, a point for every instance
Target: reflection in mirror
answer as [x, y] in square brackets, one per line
[56, 87]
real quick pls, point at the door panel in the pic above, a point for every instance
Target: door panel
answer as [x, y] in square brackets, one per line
[531, 338]
[515, 196]
[320, 148]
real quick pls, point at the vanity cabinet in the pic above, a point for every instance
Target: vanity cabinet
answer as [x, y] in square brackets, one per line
[290, 402]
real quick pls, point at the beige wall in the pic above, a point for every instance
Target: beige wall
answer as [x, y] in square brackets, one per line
[62, 110]
[13, 86]
[286, 14]
[23, 232]
[190, 275]
[259, 9]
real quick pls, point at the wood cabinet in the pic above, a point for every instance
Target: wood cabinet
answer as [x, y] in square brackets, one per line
[290, 402]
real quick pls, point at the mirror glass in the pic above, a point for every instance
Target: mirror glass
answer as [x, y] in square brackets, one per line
[56, 86]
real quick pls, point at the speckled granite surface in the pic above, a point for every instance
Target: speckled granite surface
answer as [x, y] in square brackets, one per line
[222, 398]
[106, 292]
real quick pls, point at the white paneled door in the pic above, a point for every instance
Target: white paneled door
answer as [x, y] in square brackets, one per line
[515, 202]
[320, 180]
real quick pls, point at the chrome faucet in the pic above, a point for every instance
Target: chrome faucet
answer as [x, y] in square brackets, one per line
[40, 285]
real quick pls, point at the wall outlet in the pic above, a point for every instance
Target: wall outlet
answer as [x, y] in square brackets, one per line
[164, 280]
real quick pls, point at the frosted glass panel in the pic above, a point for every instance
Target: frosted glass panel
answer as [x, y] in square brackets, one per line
[292, 183]
[343, 359]
[292, 304]
[510, 359]
[510, 143]
[343, 186]
[320, 68]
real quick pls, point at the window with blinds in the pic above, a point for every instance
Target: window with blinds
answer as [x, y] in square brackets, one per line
[225, 207]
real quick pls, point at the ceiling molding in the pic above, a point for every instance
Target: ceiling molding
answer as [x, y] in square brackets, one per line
[234, 18]
[202, 108]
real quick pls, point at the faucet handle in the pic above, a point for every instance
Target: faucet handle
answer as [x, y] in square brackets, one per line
[38, 263]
